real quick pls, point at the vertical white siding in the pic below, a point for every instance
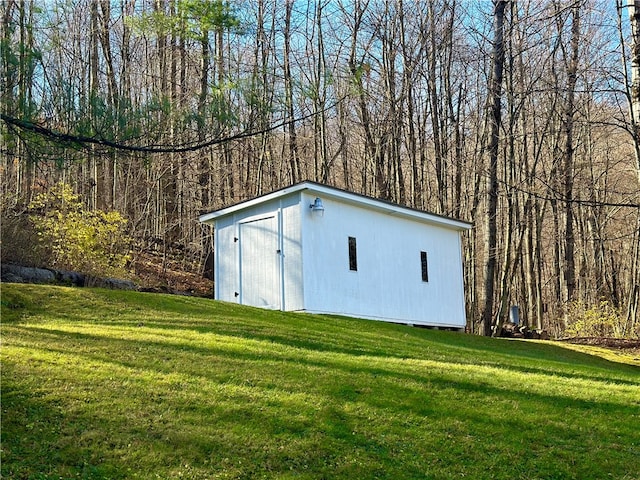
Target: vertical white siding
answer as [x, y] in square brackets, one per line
[228, 268]
[388, 284]
[226, 260]
[313, 265]
[292, 253]
[259, 244]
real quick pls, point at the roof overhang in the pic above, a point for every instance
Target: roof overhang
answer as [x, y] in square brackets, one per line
[363, 201]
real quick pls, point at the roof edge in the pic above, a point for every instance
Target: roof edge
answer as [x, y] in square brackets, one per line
[351, 197]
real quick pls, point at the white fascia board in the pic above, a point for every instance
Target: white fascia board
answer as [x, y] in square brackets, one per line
[211, 217]
[388, 207]
[347, 197]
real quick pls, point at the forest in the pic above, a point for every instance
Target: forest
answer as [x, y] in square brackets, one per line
[522, 117]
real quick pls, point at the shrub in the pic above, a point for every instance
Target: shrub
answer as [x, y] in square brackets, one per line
[17, 236]
[600, 320]
[72, 238]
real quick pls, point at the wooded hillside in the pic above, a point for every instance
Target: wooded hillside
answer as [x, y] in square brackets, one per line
[521, 117]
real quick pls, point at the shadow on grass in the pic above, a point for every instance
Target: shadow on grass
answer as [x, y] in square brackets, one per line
[165, 356]
[338, 391]
[344, 338]
[312, 332]
[32, 428]
[294, 348]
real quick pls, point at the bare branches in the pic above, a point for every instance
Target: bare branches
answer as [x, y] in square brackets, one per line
[160, 111]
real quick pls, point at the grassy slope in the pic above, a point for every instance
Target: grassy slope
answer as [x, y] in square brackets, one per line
[108, 384]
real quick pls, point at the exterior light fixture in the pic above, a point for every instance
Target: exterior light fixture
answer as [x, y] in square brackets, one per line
[317, 207]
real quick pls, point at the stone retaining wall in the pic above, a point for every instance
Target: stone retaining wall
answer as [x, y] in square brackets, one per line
[18, 274]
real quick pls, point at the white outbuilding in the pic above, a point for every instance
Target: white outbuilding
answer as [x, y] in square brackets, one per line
[318, 249]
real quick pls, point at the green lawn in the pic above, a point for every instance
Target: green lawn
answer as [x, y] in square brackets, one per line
[101, 384]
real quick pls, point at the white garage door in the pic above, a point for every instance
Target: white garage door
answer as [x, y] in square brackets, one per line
[260, 263]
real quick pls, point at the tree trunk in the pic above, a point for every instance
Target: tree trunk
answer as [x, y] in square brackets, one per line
[494, 119]
[93, 98]
[633, 94]
[294, 161]
[569, 251]
[634, 88]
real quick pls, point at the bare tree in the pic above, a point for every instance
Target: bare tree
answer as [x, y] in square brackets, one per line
[494, 118]
[508, 118]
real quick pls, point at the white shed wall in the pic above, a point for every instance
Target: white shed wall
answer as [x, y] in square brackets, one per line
[225, 260]
[388, 283]
[313, 264]
[227, 266]
[292, 253]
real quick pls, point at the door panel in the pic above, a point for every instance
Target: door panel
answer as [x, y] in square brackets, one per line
[260, 263]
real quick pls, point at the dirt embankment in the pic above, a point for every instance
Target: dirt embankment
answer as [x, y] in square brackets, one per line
[630, 345]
